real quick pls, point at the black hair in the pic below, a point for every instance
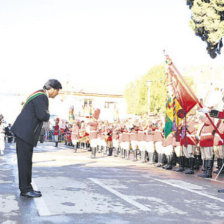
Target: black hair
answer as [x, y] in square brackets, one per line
[52, 83]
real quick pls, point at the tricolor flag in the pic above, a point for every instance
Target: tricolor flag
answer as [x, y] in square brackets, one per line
[185, 96]
[172, 120]
[182, 101]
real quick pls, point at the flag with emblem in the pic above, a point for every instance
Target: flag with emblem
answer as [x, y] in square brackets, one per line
[181, 102]
[172, 122]
[181, 90]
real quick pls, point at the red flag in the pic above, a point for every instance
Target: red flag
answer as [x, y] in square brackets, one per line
[183, 95]
[182, 89]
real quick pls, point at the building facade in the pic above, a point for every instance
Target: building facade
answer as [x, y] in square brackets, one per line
[112, 106]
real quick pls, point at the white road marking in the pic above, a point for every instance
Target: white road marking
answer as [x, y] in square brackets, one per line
[124, 197]
[40, 204]
[187, 189]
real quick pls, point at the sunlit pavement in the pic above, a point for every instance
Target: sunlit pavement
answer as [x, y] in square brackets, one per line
[80, 190]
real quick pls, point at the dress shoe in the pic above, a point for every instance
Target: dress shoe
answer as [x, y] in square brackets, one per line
[31, 194]
[189, 171]
[38, 192]
[168, 167]
[179, 169]
[31, 189]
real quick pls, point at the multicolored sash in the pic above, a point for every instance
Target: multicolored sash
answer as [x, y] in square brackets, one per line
[34, 95]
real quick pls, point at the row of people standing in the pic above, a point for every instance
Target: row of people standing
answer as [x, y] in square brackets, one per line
[62, 133]
[196, 143]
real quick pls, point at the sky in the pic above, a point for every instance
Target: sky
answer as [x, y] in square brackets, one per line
[100, 44]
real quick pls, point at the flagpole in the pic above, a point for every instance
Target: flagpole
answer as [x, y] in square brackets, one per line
[189, 89]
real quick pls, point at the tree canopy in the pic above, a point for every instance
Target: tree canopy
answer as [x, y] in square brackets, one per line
[207, 21]
[136, 93]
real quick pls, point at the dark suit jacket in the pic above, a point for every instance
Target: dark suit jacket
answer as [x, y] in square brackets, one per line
[30, 121]
[8, 131]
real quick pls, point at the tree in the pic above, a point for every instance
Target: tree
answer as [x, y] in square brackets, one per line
[207, 21]
[157, 89]
[130, 96]
[136, 93]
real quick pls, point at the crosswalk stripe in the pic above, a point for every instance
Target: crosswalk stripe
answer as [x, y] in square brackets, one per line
[187, 189]
[118, 194]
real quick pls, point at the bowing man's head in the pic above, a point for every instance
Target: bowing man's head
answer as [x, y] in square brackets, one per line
[52, 86]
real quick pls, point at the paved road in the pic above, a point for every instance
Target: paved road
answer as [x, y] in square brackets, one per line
[106, 190]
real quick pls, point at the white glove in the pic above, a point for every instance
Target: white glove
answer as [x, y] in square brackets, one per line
[204, 110]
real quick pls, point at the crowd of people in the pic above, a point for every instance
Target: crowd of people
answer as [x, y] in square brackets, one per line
[194, 144]
[194, 141]
[186, 149]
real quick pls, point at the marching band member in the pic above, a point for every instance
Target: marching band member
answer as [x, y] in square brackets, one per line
[115, 139]
[69, 138]
[75, 135]
[219, 147]
[82, 134]
[207, 131]
[134, 140]
[56, 132]
[102, 139]
[121, 140]
[109, 142]
[188, 141]
[141, 136]
[129, 127]
[206, 134]
[171, 152]
[218, 114]
[150, 144]
[93, 124]
[125, 141]
[158, 139]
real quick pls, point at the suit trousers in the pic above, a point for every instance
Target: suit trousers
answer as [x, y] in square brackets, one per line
[24, 160]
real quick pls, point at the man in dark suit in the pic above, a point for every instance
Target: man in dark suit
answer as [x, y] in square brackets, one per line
[8, 133]
[27, 129]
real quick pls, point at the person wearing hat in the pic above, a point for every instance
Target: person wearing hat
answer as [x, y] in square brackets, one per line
[93, 127]
[206, 142]
[27, 127]
[75, 135]
[56, 131]
[189, 142]
[220, 115]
